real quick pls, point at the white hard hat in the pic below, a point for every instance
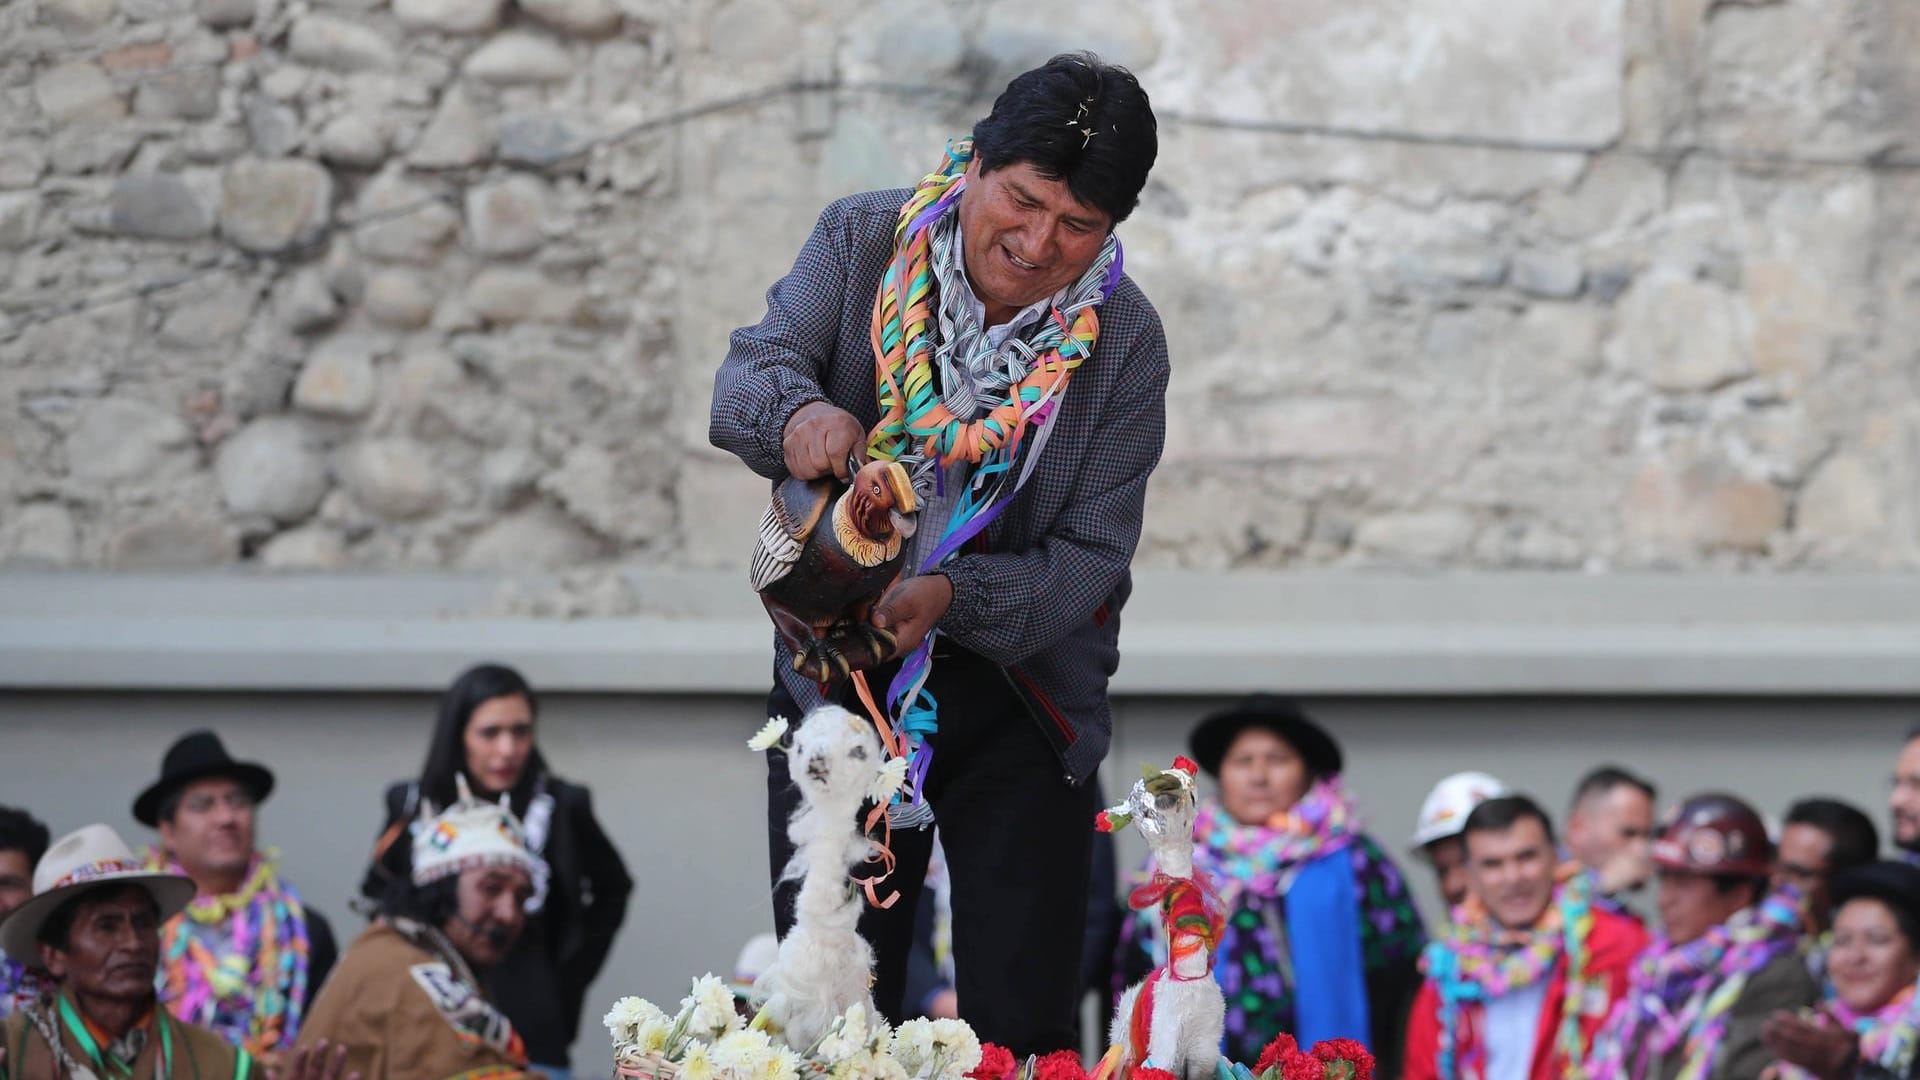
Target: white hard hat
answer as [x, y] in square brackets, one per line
[1445, 812]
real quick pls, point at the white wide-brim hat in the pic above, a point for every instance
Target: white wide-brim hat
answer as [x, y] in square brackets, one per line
[89, 858]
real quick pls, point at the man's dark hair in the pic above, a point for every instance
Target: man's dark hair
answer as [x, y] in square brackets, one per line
[1607, 777]
[433, 904]
[1913, 732]
[57, 931]
[1503, 813]
[22, 832]
[1043, 119]
[1856, 842]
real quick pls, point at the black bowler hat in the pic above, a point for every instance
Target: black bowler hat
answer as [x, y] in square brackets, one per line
[1214, 735]
[1895, 884]
[196, 756]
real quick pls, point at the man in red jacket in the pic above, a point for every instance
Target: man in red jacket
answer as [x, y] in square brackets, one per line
[1518, 988]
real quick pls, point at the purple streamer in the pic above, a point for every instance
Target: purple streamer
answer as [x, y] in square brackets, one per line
[917, 771]
[934, 212]
[965, 533]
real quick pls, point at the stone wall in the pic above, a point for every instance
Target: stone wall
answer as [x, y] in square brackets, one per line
[442, 283]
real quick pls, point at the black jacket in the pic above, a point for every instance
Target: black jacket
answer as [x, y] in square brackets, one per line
[322, 951]
[543, 981]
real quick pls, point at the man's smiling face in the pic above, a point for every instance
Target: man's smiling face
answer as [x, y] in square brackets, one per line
[1026, 236]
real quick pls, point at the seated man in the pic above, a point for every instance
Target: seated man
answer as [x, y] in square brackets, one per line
[1521, 984]
[94, 922]
[1726, 959]
[405, 998]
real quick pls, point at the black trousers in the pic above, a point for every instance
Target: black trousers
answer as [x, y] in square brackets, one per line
[1017, 837]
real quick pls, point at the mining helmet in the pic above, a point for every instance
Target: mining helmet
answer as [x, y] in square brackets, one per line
[1444, 814]
[1715, 834]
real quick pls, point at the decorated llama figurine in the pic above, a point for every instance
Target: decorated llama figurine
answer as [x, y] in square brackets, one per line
[824, 965]
[1173, 1018]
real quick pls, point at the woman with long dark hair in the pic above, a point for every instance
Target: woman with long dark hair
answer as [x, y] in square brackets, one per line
[486, 731]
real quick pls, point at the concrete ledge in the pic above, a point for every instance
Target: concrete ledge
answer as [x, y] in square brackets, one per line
[1317, 633]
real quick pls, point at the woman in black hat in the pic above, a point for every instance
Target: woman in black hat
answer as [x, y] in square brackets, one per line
[486, 731]
[1322, 937]
[1870, 1024]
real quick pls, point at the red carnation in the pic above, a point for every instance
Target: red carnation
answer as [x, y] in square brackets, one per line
[1186, 764]
[1276, 1054]
[1302, 1067]
[1148, 1072]
[996, 1063]
[1345, 1059]
[1060, 1065]
[1102, 822]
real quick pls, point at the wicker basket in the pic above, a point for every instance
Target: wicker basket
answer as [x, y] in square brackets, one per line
[646, 1067]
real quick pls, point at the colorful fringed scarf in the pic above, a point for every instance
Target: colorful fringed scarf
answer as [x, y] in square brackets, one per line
[1679, 996]
[237, 964]
[1260, 858]
[19, 986]
[923, 423]
[1888, 1035]
[1478, 961]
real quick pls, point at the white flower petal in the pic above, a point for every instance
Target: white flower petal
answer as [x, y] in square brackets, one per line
[769, 734]
[712, 1005]
[888, 780]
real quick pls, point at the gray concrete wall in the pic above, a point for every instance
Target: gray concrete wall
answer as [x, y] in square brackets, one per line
[684, 799]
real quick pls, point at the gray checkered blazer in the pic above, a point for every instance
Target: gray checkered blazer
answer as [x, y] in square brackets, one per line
[1041, 597]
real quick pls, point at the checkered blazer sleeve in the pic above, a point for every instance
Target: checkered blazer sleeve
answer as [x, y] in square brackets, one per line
[775, 366]
[1008, 606]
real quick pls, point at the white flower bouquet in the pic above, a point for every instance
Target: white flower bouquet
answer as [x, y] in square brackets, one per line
[648, 1044]
[707, 1040]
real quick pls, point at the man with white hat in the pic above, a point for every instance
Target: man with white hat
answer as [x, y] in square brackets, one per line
[1443, 817]
[94, 925]
[405, 998]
